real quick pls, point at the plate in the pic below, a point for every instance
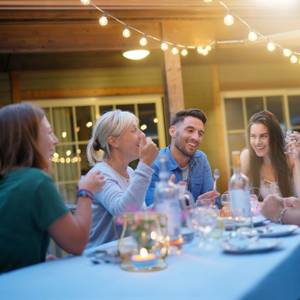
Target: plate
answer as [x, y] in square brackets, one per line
[257, 220]
[276, 230]
[242, 246]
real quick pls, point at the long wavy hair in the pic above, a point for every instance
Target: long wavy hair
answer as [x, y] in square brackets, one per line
[19, 127]
[277, 155]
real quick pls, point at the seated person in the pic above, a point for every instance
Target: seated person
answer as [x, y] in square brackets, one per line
[270, 168]
[31, 208]
[282, 210]
[116, 133]
[185, 161]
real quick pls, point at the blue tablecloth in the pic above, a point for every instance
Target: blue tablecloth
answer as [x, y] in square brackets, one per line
[194, 274]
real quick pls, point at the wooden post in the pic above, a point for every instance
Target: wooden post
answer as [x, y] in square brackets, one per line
[173, 81]
[15, 87]
[220, 134]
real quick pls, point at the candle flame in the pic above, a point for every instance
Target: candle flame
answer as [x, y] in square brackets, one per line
[143, 252]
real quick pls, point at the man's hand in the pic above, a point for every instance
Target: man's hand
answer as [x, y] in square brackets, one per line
[207, 198]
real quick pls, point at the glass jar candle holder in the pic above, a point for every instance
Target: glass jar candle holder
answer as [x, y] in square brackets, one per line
[143, 244]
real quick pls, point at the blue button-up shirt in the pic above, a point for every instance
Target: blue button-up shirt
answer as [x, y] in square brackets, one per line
[199, 177]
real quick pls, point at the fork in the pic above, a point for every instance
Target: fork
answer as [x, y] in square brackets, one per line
[216, 177]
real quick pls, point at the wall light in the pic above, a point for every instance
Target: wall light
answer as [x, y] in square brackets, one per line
[136, 54]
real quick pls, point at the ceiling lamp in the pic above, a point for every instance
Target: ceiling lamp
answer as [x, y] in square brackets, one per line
[137, 54]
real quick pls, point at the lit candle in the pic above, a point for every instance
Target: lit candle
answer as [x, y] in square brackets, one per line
[144, 259]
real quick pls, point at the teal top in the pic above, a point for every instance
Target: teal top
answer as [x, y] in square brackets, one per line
[29, 204]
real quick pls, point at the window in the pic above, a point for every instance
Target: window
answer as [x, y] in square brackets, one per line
[240, 106]
[73, 120]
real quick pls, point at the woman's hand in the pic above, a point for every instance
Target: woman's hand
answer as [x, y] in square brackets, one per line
[291, 202]
[272, 206]
[148, 150]
[92, 181]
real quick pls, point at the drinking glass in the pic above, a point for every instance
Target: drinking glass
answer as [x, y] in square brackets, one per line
[204, 221]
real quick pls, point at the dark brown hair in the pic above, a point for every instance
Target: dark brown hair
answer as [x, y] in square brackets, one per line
[192, 112]
[19, 127]
[277, 155]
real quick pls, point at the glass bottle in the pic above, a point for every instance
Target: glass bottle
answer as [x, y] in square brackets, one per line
[239, 191]
[166, 202]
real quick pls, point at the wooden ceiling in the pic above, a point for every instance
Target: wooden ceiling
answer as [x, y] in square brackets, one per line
[66, 26]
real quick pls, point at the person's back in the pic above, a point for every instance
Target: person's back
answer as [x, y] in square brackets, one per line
[31, 208]
[29, 203]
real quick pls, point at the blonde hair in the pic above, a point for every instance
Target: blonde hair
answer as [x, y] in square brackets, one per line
[112, 123]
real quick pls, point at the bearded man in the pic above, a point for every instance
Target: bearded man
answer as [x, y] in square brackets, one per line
[185, 161]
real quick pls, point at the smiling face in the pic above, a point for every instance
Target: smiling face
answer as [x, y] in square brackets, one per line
[46, 140]
[260, 139]
[187, 135]
[128, 143]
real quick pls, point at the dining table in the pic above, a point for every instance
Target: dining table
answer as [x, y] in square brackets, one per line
[194, 273]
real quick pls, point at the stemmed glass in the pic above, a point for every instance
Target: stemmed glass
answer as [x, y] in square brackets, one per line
[290, 141]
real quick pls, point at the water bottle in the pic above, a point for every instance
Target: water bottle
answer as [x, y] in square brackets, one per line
[239, 193]
[166, 202]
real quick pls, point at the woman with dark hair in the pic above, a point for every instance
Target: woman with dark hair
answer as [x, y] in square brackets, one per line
[269, 168]
[31, 208]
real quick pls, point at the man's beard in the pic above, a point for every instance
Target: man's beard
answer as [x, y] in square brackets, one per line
[183, 151]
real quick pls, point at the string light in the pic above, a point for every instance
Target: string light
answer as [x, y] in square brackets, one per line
[126, 33]
[143, 41]
[89, 124]
[103, 20]
[164, 46]
[252, 36]
[287, 52]
[208, 48]
[228, 20]
[293, 59]
[184, 52]
[175, 50]
[271, 46]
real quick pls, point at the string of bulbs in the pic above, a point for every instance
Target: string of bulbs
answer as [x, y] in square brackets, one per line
[176, 48]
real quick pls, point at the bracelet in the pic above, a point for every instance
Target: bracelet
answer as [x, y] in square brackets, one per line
[281, 215]
[85, 193]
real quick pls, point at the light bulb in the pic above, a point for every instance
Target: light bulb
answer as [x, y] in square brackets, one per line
[252, 36]
[103, 21]
[184, 52]
[293, 59]
[126, 33]
[271, 46]
[200, 49]
[207, 1]
[175, 50]
[287, 52]
[208, 48]
[85, 2]
[164, 46]
[204, 52]
[228, 20]
[143, 41]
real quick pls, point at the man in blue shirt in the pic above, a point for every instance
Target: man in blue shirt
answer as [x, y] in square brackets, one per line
[185, 161]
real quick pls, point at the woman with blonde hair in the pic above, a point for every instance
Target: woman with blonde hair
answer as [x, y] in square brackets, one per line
[117, 141]
[31, 208]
